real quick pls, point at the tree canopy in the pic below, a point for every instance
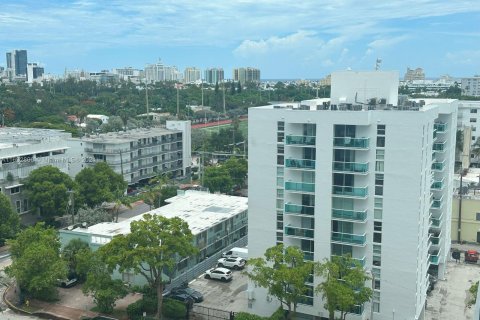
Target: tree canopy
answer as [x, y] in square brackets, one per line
[47, 191]
[217, 179]
[284, 273]
[343, 287]
[36, 262]
[9, 220]
[99, 184]
[152, 249]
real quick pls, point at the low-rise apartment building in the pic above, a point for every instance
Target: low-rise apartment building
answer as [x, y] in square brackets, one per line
[217, 222]
[23, 150]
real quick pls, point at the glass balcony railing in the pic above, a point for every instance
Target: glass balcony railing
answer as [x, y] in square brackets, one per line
[355, 239]
[300, 140]
[300, 186]
[437, 185]
[355, 167]
[291, 208]
[437, 166]
[349, 214]
[440, 127]
[308, 255]
[299, 232]
[359, 192]
[434, 258]
[437, 203]
[434, 134]
[435, 240]
[439, 146]
[358, 310]
[300, 163]
[435, 222]
[354, 143]
[361, 261]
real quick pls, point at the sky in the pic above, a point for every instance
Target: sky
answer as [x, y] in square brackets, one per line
[303, 39]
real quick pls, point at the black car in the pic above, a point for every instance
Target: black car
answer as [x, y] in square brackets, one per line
[194, 294]
[185, 298]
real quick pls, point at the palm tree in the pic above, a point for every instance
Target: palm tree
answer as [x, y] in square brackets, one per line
[122, 201]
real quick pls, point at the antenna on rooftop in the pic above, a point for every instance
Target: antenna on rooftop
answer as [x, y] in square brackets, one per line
[377, 64]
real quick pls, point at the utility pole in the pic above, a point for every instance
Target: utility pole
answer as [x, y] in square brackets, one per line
[71, 204]
[223, 90]
[202, 93]
[460, 195]
[178, 101]
[146, 98]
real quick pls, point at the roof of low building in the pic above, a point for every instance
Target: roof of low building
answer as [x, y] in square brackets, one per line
[201, 210]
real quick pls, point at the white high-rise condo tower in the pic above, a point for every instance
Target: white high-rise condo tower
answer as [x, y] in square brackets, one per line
[363, 173]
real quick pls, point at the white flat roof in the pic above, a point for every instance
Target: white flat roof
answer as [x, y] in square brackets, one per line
[201, 210]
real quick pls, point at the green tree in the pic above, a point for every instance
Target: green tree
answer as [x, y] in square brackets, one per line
[100, 285]
[343, 287]
[47, 191]
[36, 263]
[9, 220]
[217, 178]
[284, 273]
[92, 216]
[459, 141]
[70, 253]
[237, 169]
[99, 184]
[152, 248]
[119, 203]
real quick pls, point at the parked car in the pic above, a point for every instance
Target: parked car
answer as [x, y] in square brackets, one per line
[194, 294]
[234, 263]
[67, 283]
[185, 298]
[219, 274]
[236, 252]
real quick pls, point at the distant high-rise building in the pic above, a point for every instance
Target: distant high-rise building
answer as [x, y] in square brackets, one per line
[471, 86]
[191, 75]
[34, 72]
[17, 62]
[414, 74]
[246, 75]
[159, 72]
[214, 75]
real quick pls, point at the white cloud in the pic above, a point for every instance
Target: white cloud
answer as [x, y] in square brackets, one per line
[464, 57]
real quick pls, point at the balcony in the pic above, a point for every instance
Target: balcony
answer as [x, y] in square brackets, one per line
[351, 215]
[350, 167]
[437, 185]
[436, 222]
[291, 208]
[435, 240]
[300, 186]
[438, 166]
[350, 239]
[358, 310]
[351, 143]
[439, 146]
[437, 203]
[361, 261]
[299, 232]
[440, 127]
[434, 258]
[300, 163]
[300, 140]
[351, 192]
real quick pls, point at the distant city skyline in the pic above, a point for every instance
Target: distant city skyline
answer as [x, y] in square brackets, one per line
[284, 39]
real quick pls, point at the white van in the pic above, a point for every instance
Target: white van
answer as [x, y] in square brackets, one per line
[236, 252]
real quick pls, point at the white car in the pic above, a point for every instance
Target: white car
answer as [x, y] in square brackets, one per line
[219, 274]
[235, 263]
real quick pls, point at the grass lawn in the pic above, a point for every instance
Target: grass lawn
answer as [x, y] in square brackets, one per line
[243, 127]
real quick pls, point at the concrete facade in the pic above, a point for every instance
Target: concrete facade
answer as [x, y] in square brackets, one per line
[360, 175]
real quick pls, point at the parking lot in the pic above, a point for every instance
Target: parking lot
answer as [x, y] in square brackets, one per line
[449, 298]
[228, 296]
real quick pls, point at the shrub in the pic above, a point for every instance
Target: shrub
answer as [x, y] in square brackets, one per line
[174, 309]
[247, 316]
[135, 310]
